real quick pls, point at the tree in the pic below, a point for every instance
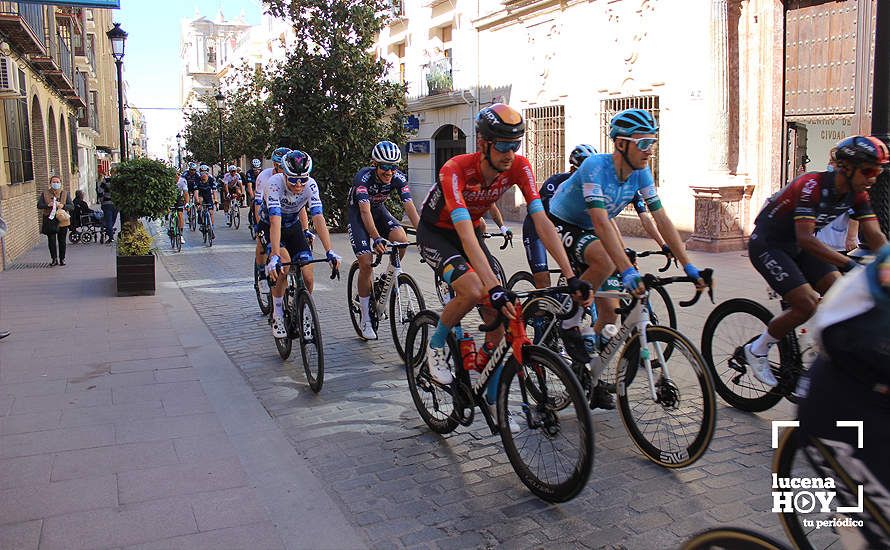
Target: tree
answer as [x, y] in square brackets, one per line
[201, 131]
[330, 96]
[141, 188]
[247, 126]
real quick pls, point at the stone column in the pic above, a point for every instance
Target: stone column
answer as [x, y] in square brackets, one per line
[718, 99]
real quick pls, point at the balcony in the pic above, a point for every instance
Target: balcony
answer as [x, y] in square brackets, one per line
[71, 17]
[62, 77]
[23, 23]
[438, 76]
[79, 97]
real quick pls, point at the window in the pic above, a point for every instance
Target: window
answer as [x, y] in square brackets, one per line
[18, 136]
[610, 107]
[545, 140]
[400, 53]
[72, 141]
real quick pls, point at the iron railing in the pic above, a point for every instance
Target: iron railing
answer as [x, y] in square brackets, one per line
[31, 14]
[545, 140]
[80, 84]
[438, 76]
[64, 60]
[91, 50]
[611, 107]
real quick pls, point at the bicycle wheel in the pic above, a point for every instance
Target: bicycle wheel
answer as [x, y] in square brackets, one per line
[263, 292]
[251, 222]
[174, 240]
[236, 221]
[210, 235]
[661, 308]
[311, 348]
[284, 344]
[732, 538]
[405, 302]
[674, 429]
[177, 235]
[434, 402]
[443, 289]
[499, 271]
[193, 219]
[352, 300]
[728, 328]
[553, 452]
[521, 281]
[539, 315]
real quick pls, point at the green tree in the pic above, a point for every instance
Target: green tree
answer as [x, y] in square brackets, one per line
[201, 132]
[330, 95]
[141, 188]
[247, 125]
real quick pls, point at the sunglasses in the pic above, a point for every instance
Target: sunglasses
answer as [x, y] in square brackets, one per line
[301, 180]
[872, 172]
[388, 167]
[643, 144]
[506, 146]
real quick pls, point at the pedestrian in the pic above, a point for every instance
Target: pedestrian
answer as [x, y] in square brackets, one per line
[3, 333]
[56, 206]
[109, 212]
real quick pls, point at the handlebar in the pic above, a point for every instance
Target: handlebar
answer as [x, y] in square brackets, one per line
[508, 238]
[335, 273]
[393, 248]
[501, 319]
[667, 258]
[652, 281]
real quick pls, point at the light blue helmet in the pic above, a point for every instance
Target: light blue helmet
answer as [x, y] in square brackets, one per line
[278, 154]
[632, 121]
[580, 153]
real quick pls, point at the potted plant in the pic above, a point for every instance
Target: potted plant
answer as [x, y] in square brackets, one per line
[140, 188]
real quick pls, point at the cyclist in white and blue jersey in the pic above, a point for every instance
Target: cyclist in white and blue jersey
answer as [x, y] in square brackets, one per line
[287, 196]
[583, 206]
[261, 214]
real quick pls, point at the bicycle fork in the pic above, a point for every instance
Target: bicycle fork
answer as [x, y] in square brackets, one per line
[642, 311]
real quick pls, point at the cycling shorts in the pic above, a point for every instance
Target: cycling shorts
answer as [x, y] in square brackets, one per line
[444, 252]
[535, 251]
[786, 267]
[575, 240]
[358, 235]
[294, 241]
[263, 227]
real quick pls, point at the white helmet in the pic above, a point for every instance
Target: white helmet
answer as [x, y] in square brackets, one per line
[232, 168]
[256, 163]
[386, 152]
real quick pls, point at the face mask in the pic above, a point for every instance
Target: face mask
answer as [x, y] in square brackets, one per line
[56, 185]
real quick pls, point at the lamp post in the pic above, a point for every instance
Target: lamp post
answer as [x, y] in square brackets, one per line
[220, 99]
[125, 152]
[179, 151]
[118, 39]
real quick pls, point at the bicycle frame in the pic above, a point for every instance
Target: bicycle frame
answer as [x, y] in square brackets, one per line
[390, 277]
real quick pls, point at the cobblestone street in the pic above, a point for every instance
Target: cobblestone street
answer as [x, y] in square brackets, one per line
[403, 485]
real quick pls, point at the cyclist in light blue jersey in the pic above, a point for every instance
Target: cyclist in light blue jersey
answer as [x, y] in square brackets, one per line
[598, 191]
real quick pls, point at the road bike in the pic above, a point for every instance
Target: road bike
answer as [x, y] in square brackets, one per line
[261, 283]
[393, 287]
[233, 214]
[732, 538]
[192, 213]
[204, 220]
[173, 230]
[251, 222]
[552, 451]
[670, 413]
[302, 324]
[443, 289]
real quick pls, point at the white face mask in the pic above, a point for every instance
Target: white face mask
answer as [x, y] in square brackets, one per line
[56, 185]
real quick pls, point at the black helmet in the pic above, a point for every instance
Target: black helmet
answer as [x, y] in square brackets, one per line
[499, 121]
[580, 153]
[857, 150]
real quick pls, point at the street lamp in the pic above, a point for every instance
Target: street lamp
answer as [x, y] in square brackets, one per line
[179, 151]
[220, 99]
[118, 40]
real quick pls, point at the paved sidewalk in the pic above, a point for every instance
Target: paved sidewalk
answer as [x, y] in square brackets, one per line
[124, 424]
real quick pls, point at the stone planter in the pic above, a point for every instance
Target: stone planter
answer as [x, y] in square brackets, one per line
[136, 275]
[721, 213]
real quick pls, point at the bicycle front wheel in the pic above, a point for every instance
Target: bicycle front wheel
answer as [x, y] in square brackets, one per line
[433, 401]
[236, 221]
[285, 344]
[352, 300]
[311, 348]
[405, 302]
[521, 281]
[728, 328]
[553, 451]
[674, 428]
[193, 219]
[732, 538]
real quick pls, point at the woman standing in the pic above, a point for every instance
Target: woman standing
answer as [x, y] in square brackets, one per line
[51, 202]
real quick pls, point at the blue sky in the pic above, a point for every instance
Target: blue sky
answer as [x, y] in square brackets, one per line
[152, 63]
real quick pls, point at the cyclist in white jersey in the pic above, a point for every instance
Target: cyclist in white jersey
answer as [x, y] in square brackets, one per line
[286, 196]
[262, 218]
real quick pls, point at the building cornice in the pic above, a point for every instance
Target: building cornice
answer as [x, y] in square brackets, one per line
[517, 11]
[440, 101]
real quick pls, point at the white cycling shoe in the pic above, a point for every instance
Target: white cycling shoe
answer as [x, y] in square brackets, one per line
[278, 328]
[182, 239]
[368, 331]
[438, 365]
[760, 367]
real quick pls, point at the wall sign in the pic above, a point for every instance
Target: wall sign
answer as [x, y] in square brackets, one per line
[419, 147]
[110, 4]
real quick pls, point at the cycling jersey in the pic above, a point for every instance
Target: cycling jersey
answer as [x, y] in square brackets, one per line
[206, 188]
[183, 187]
[252, 175]
[549, 187]
[366, 188]
[192, 179]
[280, 201]
[231, 180]
[813, 197]
[459, 195]
[595, 185]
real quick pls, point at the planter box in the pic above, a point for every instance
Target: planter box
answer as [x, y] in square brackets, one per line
[136, 275]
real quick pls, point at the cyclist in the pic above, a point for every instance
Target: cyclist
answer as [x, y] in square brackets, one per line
[261, 215]
[783, 246]
[181, 200]
[251, 176]
[851, 381]
[231, 181]
[583, 207]
[191, 176]
[285, 197]
[205, 190]
[370, 223]
[449, 237]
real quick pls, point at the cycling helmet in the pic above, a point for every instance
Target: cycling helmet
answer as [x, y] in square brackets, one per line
[386, 152]
[277, 154]
[632, 121]
[297, 164]
[862, 150]
[193, 166]
[878, 273]
[256, 163]
[581, 152]
[499, 121]
[232, 168]
[205, 168]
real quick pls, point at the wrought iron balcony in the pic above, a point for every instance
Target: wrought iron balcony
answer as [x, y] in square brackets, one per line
[23, 23]
[78, 97]
[438, 76]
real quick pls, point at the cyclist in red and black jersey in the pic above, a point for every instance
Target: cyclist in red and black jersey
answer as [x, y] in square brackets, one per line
[784, 247]
[449, 227]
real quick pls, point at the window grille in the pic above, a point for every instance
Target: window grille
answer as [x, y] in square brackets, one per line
[610, 107]
[545, 140]
[18, 136]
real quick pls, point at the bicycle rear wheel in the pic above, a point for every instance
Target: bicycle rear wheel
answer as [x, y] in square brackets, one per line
[352, 300]
[728, 328]
[311, 348]
[553, 452]
[404, 305]
[674, 429]
[433, 401]
[284, 344]
[521, 281]
[263, 292]
[732, 538]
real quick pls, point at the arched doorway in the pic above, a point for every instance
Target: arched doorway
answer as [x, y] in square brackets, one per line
[53, 145]
[63, 148]
[38, 146]
[449, 141]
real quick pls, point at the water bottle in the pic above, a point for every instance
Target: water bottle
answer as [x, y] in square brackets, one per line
[467, 347]
[590, 340]
[609, 331]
